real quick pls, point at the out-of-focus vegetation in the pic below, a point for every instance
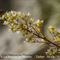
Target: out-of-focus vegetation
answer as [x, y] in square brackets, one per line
[47, 10]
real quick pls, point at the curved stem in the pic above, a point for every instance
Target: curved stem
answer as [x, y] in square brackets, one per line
[43, 38]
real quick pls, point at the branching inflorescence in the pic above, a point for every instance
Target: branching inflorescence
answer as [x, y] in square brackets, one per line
[30, 28]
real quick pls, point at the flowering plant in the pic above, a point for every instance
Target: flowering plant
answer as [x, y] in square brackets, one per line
[31, 29]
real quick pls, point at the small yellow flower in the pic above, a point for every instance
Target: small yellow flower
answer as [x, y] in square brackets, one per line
[39, 23]
[32, 19]
[57, 39]
[52, 29]
[28, 14]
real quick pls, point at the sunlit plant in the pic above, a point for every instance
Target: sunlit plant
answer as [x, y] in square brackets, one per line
[32, 29]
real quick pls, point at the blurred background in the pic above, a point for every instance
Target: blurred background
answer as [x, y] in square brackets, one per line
[47, 10]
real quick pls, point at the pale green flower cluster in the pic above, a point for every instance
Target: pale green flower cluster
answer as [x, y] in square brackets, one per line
[55, 33]
[30, 28]
[56, 38]
[19, 21]
[52, 51]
